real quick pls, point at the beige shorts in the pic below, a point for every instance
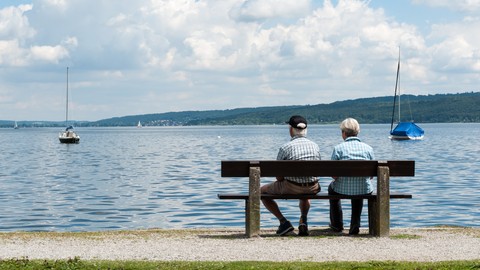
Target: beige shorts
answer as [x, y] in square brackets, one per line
[285, 187]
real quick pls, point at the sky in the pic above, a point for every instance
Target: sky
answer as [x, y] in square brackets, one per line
[152, 56]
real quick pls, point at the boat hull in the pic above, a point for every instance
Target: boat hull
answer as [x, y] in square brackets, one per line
[69, 137]
[69, 140]
[404, 138]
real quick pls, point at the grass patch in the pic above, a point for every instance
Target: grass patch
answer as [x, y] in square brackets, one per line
[164, 233]
[405, 236]
[203, 233]
[475, 232]
[73, 264]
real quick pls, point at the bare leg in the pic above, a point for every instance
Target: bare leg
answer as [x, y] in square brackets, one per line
[304, 206]
[271, 205]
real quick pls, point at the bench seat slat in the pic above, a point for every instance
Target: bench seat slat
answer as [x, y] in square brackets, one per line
[320, 196]
[272, 168]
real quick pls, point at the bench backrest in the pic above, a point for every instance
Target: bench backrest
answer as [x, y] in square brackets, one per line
[272, 168]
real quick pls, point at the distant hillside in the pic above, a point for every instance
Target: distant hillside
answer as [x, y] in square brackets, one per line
[183, 118]
[440, 108]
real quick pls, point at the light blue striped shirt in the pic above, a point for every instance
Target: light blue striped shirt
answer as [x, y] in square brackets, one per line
[352, 149]
[299, 148]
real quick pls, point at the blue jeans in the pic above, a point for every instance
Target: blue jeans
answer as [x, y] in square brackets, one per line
[336, 212]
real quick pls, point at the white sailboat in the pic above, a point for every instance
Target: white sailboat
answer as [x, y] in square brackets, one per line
[69, 135]
[139, 125]
[15, 125]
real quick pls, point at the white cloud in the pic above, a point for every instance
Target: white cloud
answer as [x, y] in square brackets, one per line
[49, 53]
[187, 54]
[11, 54]
[259, 10]
[269, 91]
[456, 48]
[70, 42]
[57, 3]
[461, 5]
[14, 23]
[15, 30]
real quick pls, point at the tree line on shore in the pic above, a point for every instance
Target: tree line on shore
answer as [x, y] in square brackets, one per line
[439, 108]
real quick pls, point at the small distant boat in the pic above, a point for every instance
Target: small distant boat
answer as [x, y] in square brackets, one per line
[69, 135]
[15, 125]
[139, 125]
[403, 130]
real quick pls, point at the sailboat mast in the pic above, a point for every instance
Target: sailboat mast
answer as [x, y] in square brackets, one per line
[395, 96]
[399, 89]
[66, 103]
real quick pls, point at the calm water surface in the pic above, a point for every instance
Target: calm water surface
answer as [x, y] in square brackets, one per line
[169, 177]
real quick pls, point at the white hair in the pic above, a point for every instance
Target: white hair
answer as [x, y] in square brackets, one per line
[299, 132]
[350, 126]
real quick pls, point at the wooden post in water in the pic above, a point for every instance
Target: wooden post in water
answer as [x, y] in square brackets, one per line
[252, 218]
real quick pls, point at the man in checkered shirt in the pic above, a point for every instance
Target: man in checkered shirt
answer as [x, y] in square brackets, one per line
[351, 149]
[298, 148]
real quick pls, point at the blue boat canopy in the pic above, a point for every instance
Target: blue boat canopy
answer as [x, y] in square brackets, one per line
[68, 128]
[407, 129]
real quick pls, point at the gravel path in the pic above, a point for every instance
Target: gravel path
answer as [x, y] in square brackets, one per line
[433, 244]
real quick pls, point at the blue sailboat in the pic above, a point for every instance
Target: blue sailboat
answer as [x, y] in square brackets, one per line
[407, 131]
[403, 130]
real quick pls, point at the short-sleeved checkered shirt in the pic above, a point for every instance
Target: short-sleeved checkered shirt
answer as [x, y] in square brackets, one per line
[352, 149]
[299, 148]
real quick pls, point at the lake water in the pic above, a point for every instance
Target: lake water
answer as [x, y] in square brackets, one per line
[169, 177]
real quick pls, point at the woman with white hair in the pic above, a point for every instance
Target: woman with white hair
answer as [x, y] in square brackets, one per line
[352, 148]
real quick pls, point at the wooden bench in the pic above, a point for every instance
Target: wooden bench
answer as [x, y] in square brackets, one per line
[378, 203]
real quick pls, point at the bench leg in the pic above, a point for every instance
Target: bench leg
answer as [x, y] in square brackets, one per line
[252, 211]
[382, 204]
[247, 216]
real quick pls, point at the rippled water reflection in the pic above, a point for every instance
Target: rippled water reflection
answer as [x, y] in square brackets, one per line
[168, 177]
